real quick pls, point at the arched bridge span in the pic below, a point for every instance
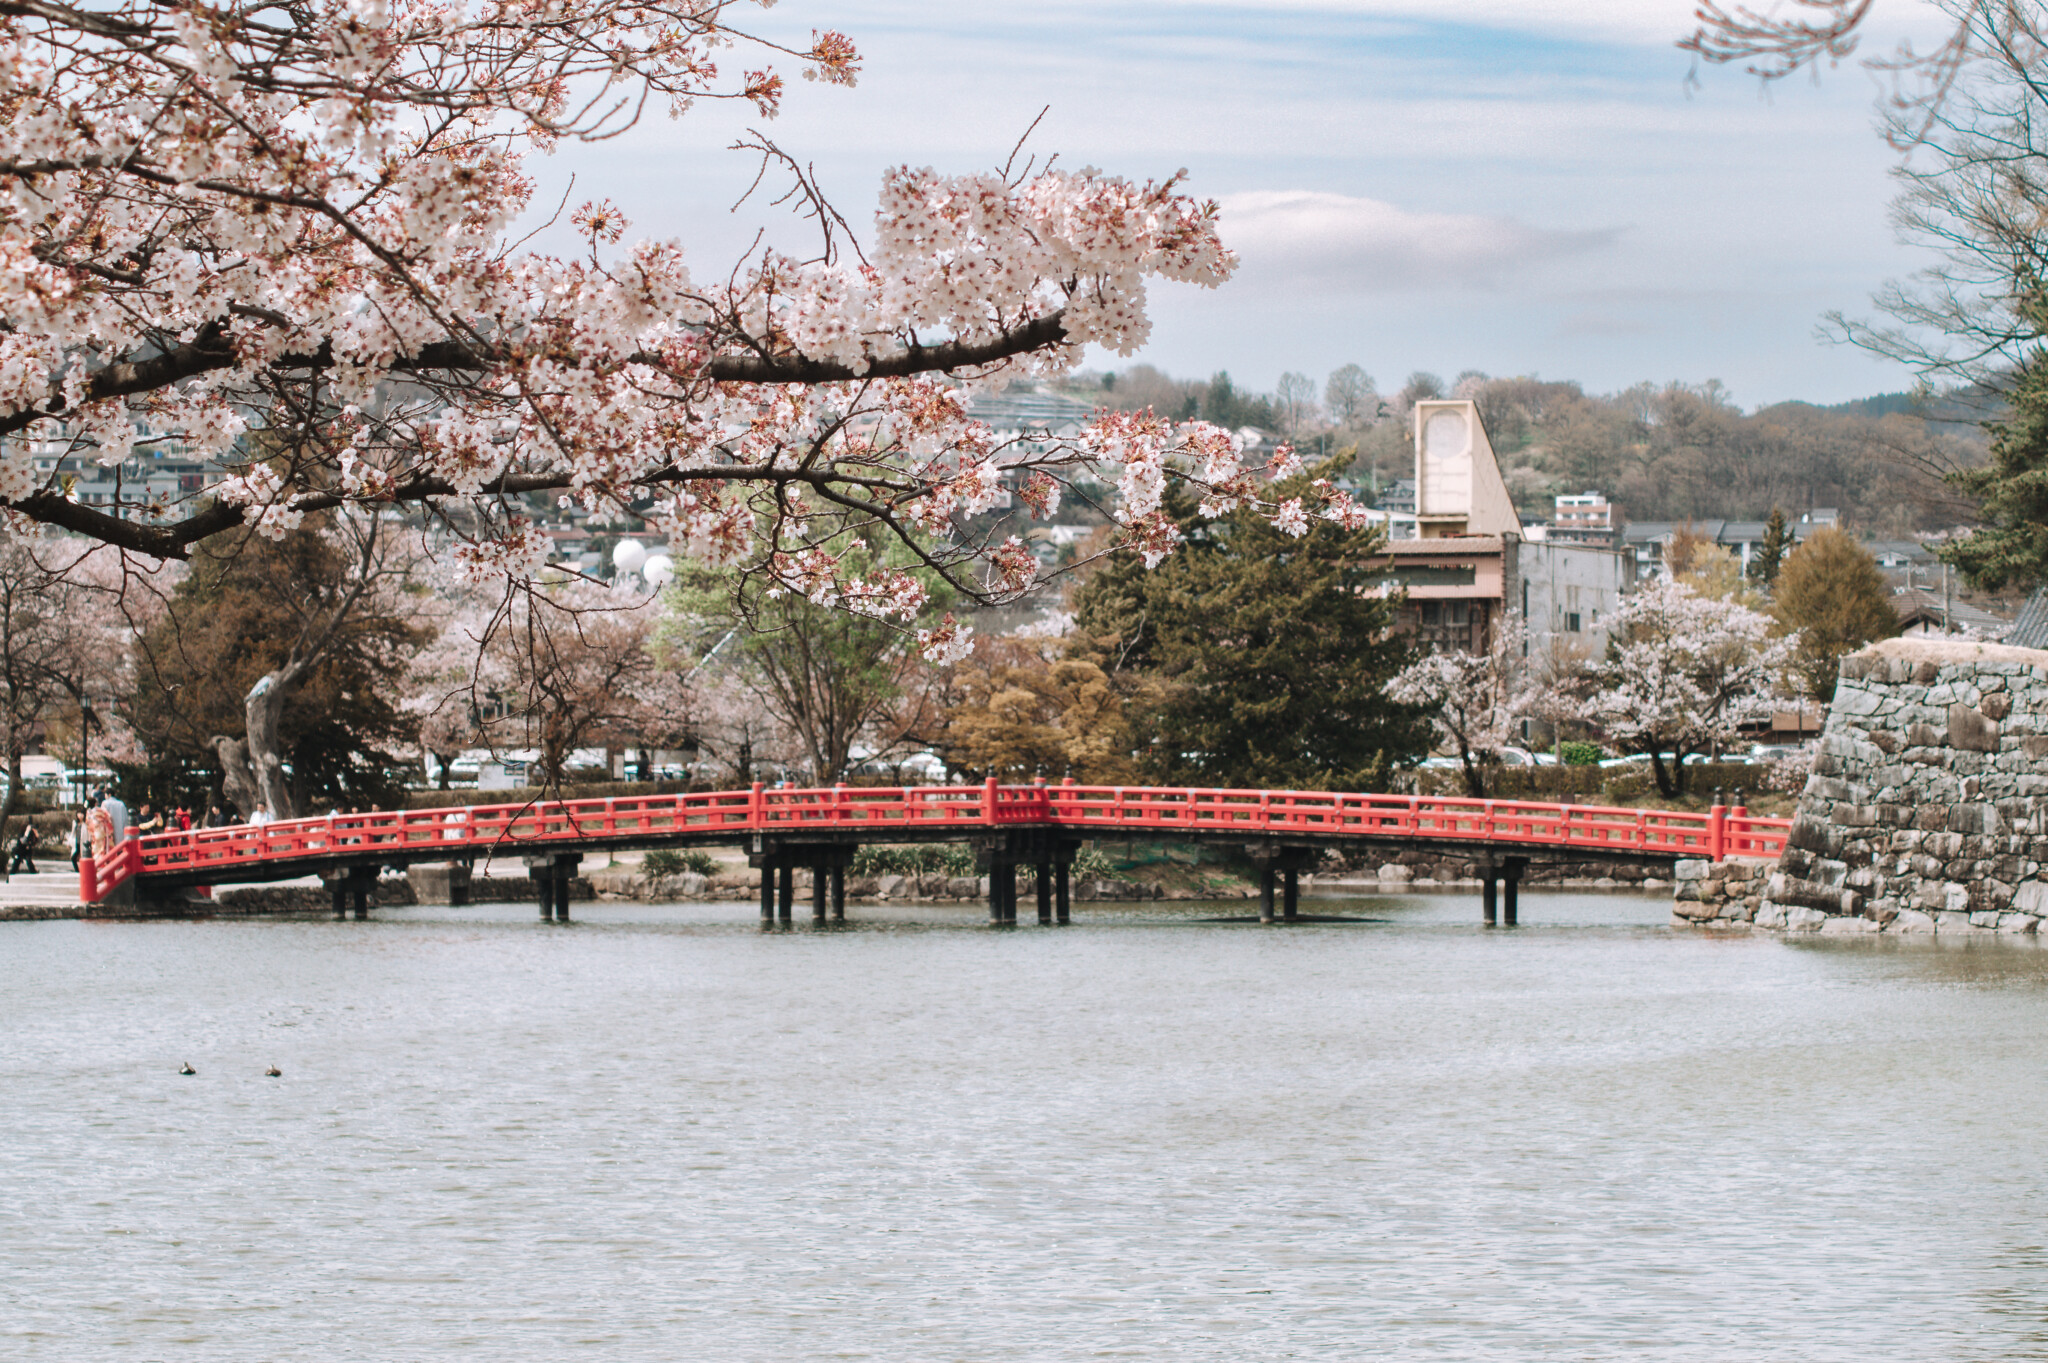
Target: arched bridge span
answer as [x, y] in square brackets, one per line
[1039, 826]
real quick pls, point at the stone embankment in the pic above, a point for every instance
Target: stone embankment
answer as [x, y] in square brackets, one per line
[1719, 893]
[1428, 870]
[628, 883]
[1927, 810]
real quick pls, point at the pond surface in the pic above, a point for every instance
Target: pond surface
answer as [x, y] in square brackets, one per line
[661, 1134]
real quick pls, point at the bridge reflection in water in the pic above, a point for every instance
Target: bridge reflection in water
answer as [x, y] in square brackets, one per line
[1039, 826]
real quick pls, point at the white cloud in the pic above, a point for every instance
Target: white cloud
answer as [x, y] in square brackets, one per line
[1336, 242]
[1617, 19]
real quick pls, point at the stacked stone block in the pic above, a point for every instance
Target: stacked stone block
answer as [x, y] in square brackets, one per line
[1927, 810]
[1725, 892]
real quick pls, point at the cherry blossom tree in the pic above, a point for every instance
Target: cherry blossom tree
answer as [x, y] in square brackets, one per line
[1474, 700]
[67, 613]
[284, 237]
[1683, 671]
[569, 663]
[449, 681]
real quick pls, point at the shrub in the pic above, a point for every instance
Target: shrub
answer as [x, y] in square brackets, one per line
[664, 862]
[1581, 754]
[1091, 864]
[918, 859]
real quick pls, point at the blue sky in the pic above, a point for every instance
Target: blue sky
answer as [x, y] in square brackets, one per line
[1517, 186]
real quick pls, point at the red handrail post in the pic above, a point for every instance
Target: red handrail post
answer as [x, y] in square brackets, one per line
[1717, 832]
[88, 879]
[988, 800]
[754, 806]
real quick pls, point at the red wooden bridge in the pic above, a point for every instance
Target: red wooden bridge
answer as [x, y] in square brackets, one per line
[1039, 826]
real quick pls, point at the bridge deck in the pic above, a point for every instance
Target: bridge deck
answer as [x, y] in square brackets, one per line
[844, 815]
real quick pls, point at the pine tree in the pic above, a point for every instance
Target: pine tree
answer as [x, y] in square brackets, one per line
[2012, 490]
[1270, 653]
[1770, 555]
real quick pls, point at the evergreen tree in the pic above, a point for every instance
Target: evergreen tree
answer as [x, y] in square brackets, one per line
[1770, 556]
[2012, 491]
[1225, 406]
[230, 622]
[1835, 595]
[1271, 656]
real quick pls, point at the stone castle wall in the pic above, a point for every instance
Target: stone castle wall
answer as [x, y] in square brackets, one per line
[1927, 810]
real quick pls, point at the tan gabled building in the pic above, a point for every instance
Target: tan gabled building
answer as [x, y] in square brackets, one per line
[1472, 562]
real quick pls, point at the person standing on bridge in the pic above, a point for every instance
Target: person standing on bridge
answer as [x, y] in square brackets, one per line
[99, 831]
[116, 812]
[260, 817]
[79, 843]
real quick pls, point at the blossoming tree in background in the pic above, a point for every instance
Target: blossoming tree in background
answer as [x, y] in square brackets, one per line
[1475, 701]
[281, 236]
[1683, 671]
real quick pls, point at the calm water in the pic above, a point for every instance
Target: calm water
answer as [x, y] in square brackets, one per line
[660, 1134]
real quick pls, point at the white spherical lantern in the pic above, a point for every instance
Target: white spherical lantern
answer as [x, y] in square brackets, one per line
[628, 555]
[658, 571]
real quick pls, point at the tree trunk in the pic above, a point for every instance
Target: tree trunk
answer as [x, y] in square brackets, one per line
[1664, 786]
[263, 710]
[446, 760]
[237, 777]
[1475, 777]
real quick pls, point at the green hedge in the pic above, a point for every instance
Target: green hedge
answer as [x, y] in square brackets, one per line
[1597, 785]
[519, 795]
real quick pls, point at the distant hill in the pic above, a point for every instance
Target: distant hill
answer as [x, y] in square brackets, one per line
[1884, 404]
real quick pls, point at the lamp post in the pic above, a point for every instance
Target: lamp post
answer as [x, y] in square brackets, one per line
[84, 746]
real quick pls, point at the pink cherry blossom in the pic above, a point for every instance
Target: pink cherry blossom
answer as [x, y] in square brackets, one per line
[236, 224]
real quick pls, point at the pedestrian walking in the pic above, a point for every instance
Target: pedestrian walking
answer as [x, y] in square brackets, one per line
[79, 843]
[23, 852]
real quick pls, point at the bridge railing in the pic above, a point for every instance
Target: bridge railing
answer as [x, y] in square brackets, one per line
[1196, 811]
[885, 812]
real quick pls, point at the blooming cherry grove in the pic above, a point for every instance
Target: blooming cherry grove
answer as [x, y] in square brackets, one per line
[280, 236]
